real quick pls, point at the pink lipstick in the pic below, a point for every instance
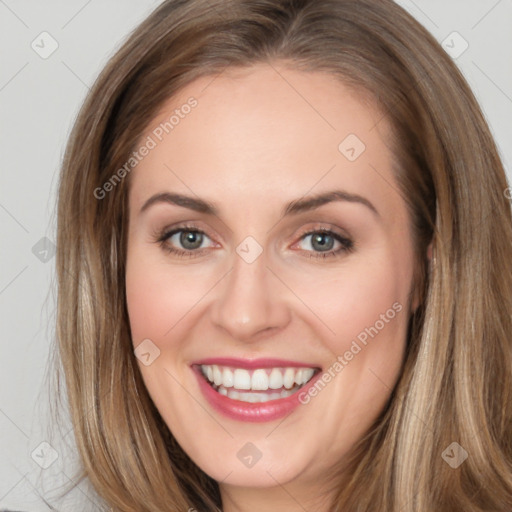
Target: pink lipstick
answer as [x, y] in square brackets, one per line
[255, 390]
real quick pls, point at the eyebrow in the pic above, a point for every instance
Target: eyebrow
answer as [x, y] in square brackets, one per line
[292, 208]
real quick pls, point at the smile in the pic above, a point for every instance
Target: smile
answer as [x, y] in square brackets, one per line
[254, 390]
[256, 385]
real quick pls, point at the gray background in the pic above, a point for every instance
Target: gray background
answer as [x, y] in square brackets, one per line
[39, 99]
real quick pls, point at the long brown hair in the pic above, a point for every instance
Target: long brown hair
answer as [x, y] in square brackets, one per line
[456, 380]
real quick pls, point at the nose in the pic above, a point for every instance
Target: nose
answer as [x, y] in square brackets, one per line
[250, 301]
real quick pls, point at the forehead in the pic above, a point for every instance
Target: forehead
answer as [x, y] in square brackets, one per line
[266, 129]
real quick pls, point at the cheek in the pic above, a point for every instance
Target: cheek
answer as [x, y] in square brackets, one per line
[368, 309]
[158, 298]
[365, 306]
[370, 295]
[363, 313]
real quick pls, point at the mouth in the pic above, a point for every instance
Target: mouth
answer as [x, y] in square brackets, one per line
[254, 390]
[256, 385]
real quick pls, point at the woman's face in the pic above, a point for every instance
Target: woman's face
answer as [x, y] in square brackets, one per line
[268, 245]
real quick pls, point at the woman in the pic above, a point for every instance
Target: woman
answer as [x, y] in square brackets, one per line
[283, 261]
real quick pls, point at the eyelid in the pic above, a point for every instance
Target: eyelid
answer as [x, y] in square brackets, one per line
[166, 232]
[323, 227]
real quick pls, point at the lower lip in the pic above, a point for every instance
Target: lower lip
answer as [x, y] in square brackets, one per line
[253, 412]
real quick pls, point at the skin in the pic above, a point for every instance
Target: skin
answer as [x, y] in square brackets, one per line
[257, 140]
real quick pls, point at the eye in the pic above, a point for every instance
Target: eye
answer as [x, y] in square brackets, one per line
[189, 240]
[184, 241]
[322, 243]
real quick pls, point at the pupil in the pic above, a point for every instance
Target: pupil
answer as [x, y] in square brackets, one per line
[319, 239]
[191, 239]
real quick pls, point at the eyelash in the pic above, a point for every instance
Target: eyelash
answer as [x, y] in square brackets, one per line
[347, 245]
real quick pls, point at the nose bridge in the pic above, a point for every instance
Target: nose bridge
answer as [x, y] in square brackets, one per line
[249, 301]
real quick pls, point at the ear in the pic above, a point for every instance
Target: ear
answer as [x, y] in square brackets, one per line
[429, 252]
[416, 300]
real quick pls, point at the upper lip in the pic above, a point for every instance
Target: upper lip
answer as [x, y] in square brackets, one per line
[266, 362]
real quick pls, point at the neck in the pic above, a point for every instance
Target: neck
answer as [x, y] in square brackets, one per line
[285, 498]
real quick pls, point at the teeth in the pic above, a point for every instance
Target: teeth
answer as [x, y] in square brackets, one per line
[217, 375]
[276, 379]
[307, 373]
[231, 393]
[245, 396]
[242, 379]
[228, 380]
[261, 379]
[289, 378]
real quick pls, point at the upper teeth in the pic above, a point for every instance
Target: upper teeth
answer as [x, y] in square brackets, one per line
[261, 379]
